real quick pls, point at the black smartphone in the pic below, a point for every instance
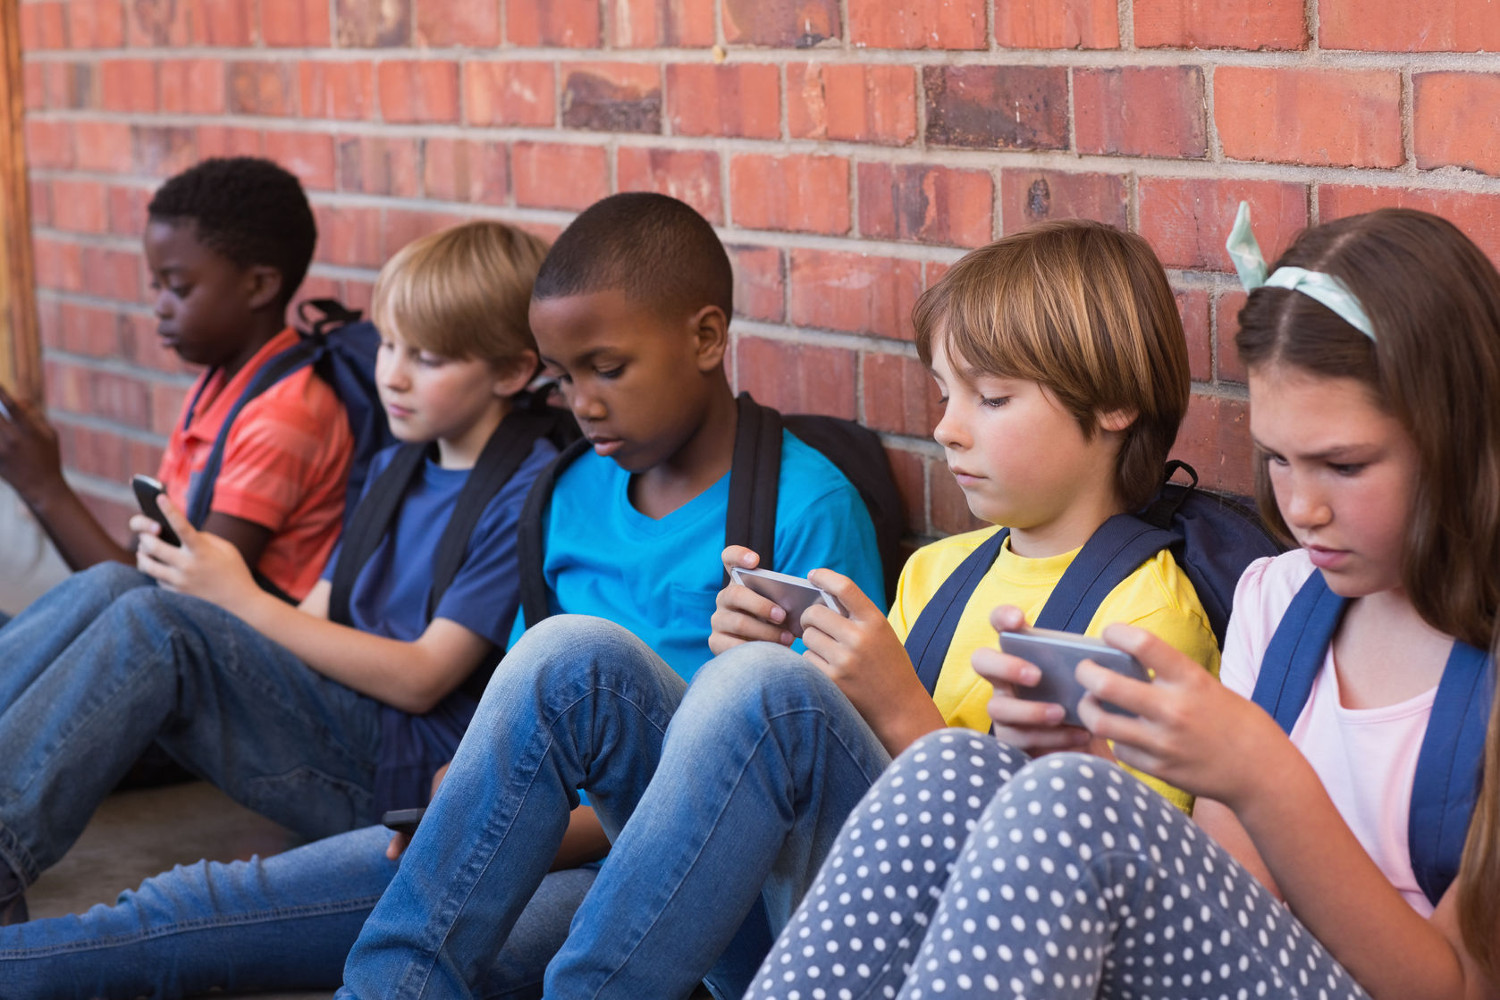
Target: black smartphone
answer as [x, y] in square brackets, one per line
[402, 820]
[146, 492]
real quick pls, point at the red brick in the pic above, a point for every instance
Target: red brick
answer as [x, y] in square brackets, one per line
[103, 146]
[34, 86]
[116, 274]
[417, 90]
[295, 23]
[568, 23]
[997, 107]
[1215, 440]
[357, 294]
[49, 144]
[105, 454]
[39, 194]
[1455, 118]
[127, 210]
[225, 140]
[349, 236]
[364, 25]
[1314, 116]
[900, 395]
[852, 102]
[1058, 24]
[781, 23]
[158, 24]
[309, 155]
[193, 86]
[799, 192]
[375, 164]
[470, 23]
[1141, 111]
[1221, 24]
[931, 204]
[110, 395]
[59, 265]
[127, 85]
[262, 88]
[87, 330]
[554, 175]
[692, 176]
[917, 24]
[509, 93]
[652, 24]
[223, 23]
[759, 282]
[43, 26]
[343, 90]
[1478, 215]
[1031, 196]
[80, 206]
[161, 151]
[1193, 304]
[853, 292]
[909, 469]
[733, 99]
[1187, 221]
[68, 85]
[796, 378]
[402, 226]
[95, 24]
[950, 510]
[612, 97]
[1455, 26]
[465, 170]
[1227, 324]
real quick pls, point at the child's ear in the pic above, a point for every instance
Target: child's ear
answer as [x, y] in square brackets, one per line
[711, 336]
[516, 374]
[264, 285]
[1117, 420]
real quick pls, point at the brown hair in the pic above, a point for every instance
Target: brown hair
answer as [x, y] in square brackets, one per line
[1433, 299]
[1083, 310]
[463, 292]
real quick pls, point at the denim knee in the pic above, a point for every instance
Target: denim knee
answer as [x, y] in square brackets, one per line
[111, 579]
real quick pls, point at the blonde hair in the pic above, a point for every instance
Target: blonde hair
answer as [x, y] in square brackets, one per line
[1083, 310]
[463, 292]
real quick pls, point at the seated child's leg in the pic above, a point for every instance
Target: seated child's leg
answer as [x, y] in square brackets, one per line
[761, 765]
[219, 697]
[577, 702]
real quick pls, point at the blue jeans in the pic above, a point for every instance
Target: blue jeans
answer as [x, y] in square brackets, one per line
[273, 924]
[720, 800]
[106, 663]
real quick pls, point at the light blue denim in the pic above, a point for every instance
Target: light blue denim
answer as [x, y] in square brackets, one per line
[272, 924]
[106, 663]
[721, 802]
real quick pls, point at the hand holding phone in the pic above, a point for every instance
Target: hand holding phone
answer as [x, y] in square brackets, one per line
[793, 594]
[1057, 655]
[147, 490]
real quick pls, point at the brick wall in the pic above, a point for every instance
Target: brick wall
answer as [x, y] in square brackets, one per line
[848, 150]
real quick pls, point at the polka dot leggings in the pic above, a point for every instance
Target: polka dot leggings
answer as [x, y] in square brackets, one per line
[971, 871]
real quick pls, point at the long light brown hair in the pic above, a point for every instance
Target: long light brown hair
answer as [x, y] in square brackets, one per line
[1434, 364]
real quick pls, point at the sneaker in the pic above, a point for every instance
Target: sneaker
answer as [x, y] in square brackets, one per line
[12, 898]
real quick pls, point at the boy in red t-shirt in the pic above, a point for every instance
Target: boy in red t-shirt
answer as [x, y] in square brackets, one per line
[228, 242]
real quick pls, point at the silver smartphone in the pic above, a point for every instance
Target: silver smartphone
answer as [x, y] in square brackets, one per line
[1057, 654]
[792, 594]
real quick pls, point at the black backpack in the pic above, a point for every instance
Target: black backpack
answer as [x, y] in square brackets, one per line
[754, 481]
[1213, 537]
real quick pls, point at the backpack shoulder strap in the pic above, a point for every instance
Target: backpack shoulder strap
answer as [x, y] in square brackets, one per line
[1296, 651]
[932, 632]
[1116, 549]
[529, 554]
[1449, 765]
[369, 523]
[754, 480]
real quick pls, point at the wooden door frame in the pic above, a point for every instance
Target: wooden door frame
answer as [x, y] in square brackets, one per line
[20, 344]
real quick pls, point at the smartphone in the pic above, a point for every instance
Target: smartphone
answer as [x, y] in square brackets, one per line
[402, 820]
[793, 594]
[1057, 654]
[146, 492]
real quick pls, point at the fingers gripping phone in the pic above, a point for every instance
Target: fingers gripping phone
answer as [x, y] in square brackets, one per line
[1057, 655]
[146, 492]
[792, 594]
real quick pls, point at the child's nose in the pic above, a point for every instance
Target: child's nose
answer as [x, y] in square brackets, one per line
[949, 431]
[586, 406]
[1303, 505]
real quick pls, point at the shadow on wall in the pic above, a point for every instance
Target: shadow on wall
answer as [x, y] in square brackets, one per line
[29, 565]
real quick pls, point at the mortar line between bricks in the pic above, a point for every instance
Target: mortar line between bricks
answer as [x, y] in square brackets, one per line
[94, 301]
[118, 366]
[822, 337]
[97, 486]
[92, 422]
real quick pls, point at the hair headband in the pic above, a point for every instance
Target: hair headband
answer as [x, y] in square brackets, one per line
[1330, 291]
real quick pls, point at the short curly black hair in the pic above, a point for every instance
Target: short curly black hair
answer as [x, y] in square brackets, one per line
[248, 209]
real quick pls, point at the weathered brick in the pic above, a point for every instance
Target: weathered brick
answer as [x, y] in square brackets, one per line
[1059, 24]
[193, 86]
[223, 23]
[81, 206]
[403, 225]
[39, 194]
[262, 88]
[68, 85]
[554, 175]
[34, 86]
[997, 107]
[1227, 323]
[59, 265]
[49, 144]
[1187, 220]
[796, 378]
[90, 331]
[759, 282]
[1456, 118]
[161, 151]
[470, 23]
[1031, 196]
[509, 93]
[127, 85]
[225, 140]
[1141, 111]
[931, 204]
[650, 24]
[114, 274]
[909, 470]
[105, 454]
[1215, 440]
[1314, 116]
[1478, 215]
[111, 395]
[360, 24]
[103, 146]
[852, 102]
[798, 192]
[309, 155]
[917, 24]
[43, 26]
[343, 90]
[853, 292]
[465, 170]
[1193, 305]
[611, 97]
[127, 209]
[692, 176]
[295, 23]
[900, 395]
[349, 236]
[157, 24]
[781, 24]
[568, 23]
[377, 164]
[1391, 25]
[1220, 24]
[95, 24]
[417, 90]
[950, 512]
[741, 99]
